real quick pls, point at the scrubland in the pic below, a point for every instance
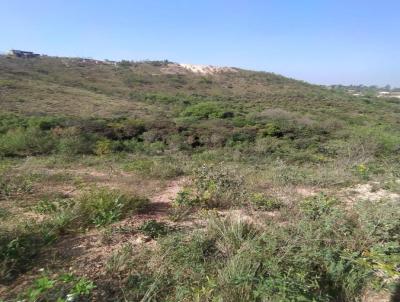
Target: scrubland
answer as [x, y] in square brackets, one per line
[135, 183]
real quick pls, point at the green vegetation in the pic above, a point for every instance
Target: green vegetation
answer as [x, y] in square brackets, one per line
[102, 207]
[322, 253]
[153, 228]
[20, 245]
[142, 181]
[66, 287]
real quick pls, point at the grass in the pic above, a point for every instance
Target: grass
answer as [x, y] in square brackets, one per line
[322, 253]
[21, 244]
[100, 207]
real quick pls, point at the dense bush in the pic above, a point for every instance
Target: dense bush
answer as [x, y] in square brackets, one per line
[23, 142]
[201, 126]
[204, 110]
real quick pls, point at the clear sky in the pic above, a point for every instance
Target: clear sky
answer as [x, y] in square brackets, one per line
[320, 41]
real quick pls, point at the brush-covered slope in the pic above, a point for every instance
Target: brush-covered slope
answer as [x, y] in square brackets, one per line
[84, 88]
[170, 103]
[155, 181]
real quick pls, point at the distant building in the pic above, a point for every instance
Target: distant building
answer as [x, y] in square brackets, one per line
[23, 54]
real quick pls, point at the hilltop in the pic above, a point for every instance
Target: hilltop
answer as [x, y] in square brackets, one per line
[161, 181]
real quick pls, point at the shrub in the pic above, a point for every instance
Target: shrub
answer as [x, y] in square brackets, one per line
[272, 129]
[243, 135]
[23, 142]
[204, 110]
[103, 147]
[73, 145]
[185, 198]
[315, 207]
[125, 63]
[219, 186]
[128, 129]
[72, 142]
[264, 202]
[45, 123]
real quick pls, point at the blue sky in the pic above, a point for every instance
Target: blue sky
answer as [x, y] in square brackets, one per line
[320, 41]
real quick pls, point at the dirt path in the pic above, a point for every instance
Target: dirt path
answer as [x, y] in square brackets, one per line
[165, 197]
[161, 202]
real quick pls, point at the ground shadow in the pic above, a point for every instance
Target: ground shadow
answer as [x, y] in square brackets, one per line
[396, 293]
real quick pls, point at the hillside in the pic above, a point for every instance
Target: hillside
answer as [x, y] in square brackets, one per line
[158, 181]
[130, 85]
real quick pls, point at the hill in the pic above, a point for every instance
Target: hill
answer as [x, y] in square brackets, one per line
[159, 181]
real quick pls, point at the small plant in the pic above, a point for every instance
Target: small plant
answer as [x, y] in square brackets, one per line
[41, 286]
[45, 206]
[316, 206]
[153, 228]
[66, 287]
[102, 206]
[185, 198]
[264, 202]
[363, 171]
[13, 185]
[82, 287]
[19, 247]
[120, 259]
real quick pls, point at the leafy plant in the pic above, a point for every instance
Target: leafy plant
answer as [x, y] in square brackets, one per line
[66, 287]
[153, 228]
[219, 186]
[363, 171]
[41, 285]
[45, 206]
[264, 202]
[185, 198]
[83, 287]
[315, 207]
